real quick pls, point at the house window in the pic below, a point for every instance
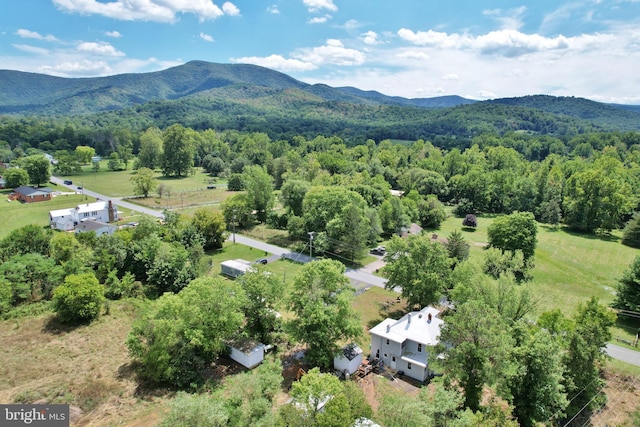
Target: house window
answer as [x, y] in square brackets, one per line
[378, 354]
[387, 341]
[408, 365]
[419, 348]
[393, 358]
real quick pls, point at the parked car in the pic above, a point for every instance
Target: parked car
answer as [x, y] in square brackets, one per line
[67, 182]
[380, 250]
[261, 261]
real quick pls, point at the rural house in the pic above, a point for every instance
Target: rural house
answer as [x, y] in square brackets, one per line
[249, 353]
[68, 219]
[30, 194]
[403, 344]
[235, 267]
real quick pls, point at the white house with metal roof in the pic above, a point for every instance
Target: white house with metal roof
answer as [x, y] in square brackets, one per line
[68, 219]
[403, 344]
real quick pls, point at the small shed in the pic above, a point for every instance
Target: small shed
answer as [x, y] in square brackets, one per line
[235, 267]
[249, 353]
[349, 359]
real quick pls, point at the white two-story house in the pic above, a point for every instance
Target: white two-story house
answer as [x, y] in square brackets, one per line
[403, 344]
[68, 219]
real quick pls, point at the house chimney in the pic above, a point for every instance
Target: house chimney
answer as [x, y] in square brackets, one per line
[409, 318]
[429, 318]
[111, 212]
[388, 328]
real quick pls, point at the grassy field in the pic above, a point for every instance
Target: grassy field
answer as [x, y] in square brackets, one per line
[118, 184]
[569, 267]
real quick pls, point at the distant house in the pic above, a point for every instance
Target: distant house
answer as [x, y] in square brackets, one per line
[235, 267]
[249, 353]
[411, 230]
[97, 227]
[403, 344]
[30, 194]
[349, 359]
[68, 219]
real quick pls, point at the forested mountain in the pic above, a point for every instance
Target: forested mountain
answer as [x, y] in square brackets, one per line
[204, 95]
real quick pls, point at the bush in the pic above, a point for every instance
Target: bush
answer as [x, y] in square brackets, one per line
[236, 182]
[78, 299]
[631, 232]
[470, 220]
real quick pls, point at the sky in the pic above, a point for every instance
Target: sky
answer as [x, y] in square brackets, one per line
[477, 49]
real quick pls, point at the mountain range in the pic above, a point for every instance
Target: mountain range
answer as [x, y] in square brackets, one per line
[239, 95]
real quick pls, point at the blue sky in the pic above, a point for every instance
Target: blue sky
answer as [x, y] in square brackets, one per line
[413, 48]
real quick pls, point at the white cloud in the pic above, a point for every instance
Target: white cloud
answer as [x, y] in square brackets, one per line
[114, 34]
[31, 49]
[206, 37]
[509, 20]
[273, 9]
[413, 54]
[508, 43]
[370, 38]
[230, 9]
[333, 52]
[27, 34]
[143, 10]
[315, 6]
[319, 19]
[83, 67]
[450, 76]
[102, 49]
[277, 62]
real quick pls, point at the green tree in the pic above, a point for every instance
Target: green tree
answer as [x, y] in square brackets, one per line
[85, 153]
[211, 225]
[517, 231]
[311, 393]
[78, 299]
[236, 182]
[631, 232]
[628, 295]
[292, 194]
[150, 152]
[178, 151]
[37, 167]
[598, 197]
[457, 247]
[237, 212]
[179, 335]
[26, 239]
[431, 212]
[481, 343]
[143, 182]
[420, 267]
[259, 186]
[536, 388]
[115, 163]
[30, 277]
[585, 358]
[15, 177]
[320, 300]
[264, 291]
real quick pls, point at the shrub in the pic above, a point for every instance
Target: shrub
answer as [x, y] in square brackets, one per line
[78, 299]
[631, 232]
[470, 220]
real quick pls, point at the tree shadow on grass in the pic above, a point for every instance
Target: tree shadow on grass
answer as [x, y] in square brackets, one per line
[605, 237]
[55, 327]
[145, 389]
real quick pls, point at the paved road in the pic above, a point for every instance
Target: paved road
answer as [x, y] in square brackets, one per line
[624, 354]
[116, 200]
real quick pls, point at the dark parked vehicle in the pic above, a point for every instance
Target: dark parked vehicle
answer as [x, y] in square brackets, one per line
[67, 182]
[380, 250]
[261, 261]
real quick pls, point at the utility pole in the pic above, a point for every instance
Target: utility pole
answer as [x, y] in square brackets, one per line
[234, 226]
[311, 233]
